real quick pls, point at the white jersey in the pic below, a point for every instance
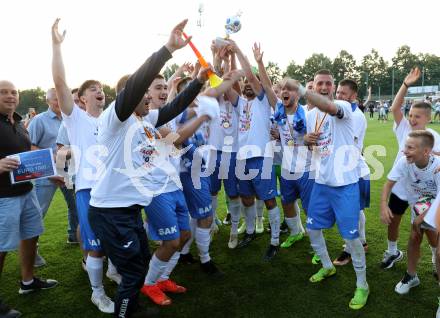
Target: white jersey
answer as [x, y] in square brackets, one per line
[254, 127]
[138, 165]
[335, 157]
[296, 155]
[360, 127]
[418, 182]
[224, 128]
[402, 131]
[82, 130]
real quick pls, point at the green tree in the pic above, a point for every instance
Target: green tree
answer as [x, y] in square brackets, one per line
[315, 63]
[344, 66]
[274, 72]
[294, 71]
[374, 73]
[430, 65]
[170, 70]
[35, 97]
[110, 94]
[403, 62]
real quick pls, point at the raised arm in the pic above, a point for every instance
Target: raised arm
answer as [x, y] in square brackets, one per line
[138, 83]
[321, 102]
[246, 66]
[229, 80]
[385, 213]
[182, 100]
[409, 80]
[64, 96]
[368, 97]
[265, 80]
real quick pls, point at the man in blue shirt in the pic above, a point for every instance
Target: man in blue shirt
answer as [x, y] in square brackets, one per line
[43, 131]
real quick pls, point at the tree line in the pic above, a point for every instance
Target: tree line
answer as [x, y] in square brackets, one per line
[373, 71]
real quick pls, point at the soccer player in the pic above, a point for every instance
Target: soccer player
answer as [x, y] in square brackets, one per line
[417, 170]
[335, 194]
[82, 130]
[295, 182]
[347, 90]
[255, 152]
[138, 173]
[419, 117]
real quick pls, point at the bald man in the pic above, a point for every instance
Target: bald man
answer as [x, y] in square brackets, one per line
[43, 132]
[20, 214]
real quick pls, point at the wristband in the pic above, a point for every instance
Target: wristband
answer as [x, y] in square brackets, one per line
[406, 85]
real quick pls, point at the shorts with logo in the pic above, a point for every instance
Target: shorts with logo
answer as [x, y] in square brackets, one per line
[295, 188]
[335, 204]
[225, 172]
[263, 185]
[20, 219]
[89, 240]
[167, 215]
[199, 201]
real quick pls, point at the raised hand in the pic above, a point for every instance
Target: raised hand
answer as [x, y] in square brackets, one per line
[176, 41]
[202, 76]
[412, 77]
[234, 75]
[57, 38]
[258, 55]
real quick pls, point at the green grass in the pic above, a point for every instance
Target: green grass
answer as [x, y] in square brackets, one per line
[251, 288]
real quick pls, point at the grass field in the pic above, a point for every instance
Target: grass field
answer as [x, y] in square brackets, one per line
[251, 287]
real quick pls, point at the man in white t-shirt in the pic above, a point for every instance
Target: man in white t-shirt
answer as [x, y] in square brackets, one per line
[138, 169]
[419, 117]
[335, 194]
[255, 169]
[347, 90]
[82, 130]
[417, 170]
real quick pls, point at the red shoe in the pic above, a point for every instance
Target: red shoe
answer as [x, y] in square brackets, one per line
[156, 295]
[171, 287]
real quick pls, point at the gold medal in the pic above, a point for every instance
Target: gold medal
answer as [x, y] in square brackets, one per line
[290, 143]
[226, 124]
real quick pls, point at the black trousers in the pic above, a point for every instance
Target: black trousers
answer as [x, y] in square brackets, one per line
[124, 241]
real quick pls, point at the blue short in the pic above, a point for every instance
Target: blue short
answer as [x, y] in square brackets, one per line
[294, 189]
[226, 173]
[335, 204]
[199, 201]
[20, 219]
[263, 185]
[364, 191]
[167, 216]
[89, 240]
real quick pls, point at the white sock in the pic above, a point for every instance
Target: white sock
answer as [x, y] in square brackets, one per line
[234, 208]
[434, 252]
[274, 220]
[155, 270]
[392, 247]
[359, 263]
[293, 224]
[318, 244]
[111, 269]
[203, 239]
[172, 262]
[298, 213]
[362, 221]
[260, 208]
[214, 203]
[250, 213]
[95, 267]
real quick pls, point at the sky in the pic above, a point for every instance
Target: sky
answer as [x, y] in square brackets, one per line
[108, 39]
